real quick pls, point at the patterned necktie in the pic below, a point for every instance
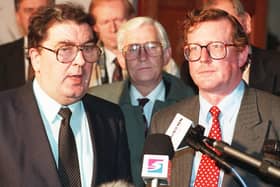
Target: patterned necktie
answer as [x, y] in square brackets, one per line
[208, 172]
[68, 164]
[142, 102]
[117, 74]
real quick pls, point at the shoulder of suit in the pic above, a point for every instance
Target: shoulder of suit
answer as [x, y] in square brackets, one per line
[182, 105]
[19, 41]
[110, 92]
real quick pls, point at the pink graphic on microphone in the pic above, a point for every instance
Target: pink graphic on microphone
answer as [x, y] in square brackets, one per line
[155, 165]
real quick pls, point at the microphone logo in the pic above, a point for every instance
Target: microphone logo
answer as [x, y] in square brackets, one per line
[155, 165]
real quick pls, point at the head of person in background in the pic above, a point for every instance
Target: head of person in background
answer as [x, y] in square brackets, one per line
[108, 16]
[216, 47]
[234, 8]
[62, 50]
[146, 49]
[25, 8]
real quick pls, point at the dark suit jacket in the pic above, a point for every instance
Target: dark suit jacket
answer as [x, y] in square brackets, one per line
[12, 64]
[26, 158]
[258, 119]
[264, 71]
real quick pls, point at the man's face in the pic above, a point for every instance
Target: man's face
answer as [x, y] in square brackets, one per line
[109, 16]
[26, 9]
[64, 82]
[216, 76]
[146, 69]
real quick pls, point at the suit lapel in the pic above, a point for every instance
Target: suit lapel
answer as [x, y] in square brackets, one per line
[249, 130]
[42, 163]
[91, 115]
[183, 160]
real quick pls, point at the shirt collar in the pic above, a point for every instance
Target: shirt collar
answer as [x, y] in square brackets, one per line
[48, 106]
[228, 104]
[156, 94]
[110, 56]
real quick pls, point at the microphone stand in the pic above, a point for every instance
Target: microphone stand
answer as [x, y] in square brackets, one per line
[154, 182]
[194, 139]
[264, 167]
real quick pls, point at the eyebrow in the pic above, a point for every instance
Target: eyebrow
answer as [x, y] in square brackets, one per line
[72, 43]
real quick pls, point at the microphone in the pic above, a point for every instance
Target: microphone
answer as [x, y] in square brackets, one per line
[158, 151]
[178, 129]
[263, 167]
[184, 133]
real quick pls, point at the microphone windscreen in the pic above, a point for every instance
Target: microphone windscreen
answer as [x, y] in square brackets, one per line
[158, 144]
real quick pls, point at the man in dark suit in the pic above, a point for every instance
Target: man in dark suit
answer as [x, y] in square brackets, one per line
[41, 145]
[217, 47]
[14, 64]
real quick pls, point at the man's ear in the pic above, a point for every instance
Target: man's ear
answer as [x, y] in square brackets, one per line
[34, 56]
[243, 56]
[167, 55]
[247, 22]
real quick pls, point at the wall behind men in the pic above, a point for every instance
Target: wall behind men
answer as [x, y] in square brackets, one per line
[9, 30]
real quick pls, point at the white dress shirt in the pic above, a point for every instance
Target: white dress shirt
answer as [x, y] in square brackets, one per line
[157, 94]
[229, 108]
[49, 108]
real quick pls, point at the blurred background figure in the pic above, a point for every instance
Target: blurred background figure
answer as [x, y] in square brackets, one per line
[15, 69]
[109, 15]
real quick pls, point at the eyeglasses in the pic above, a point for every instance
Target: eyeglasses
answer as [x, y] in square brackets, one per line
[67, 53]
[216, 50]
[132, 51]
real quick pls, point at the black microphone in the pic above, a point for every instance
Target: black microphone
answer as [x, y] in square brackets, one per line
[157, 153]
[184, 133]
[263, 167]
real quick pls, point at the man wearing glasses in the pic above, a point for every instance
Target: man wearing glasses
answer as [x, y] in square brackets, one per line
[146, 49]
[51, 132]
[216, 47]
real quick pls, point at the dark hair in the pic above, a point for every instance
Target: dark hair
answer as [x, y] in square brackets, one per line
[195, 17]
[45, 17]
[17, 3]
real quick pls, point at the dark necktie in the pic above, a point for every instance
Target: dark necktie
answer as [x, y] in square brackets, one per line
[68, 165]
[117, 74]
[142, 102]
[208, 171]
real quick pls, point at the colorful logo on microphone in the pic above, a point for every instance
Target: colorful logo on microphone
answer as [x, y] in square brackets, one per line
[155, 165]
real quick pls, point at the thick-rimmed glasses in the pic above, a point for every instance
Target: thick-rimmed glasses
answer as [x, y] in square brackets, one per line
[216, 50]
[67, 53]
[132, 51]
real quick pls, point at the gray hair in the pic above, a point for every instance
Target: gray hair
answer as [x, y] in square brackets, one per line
[137, 22]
